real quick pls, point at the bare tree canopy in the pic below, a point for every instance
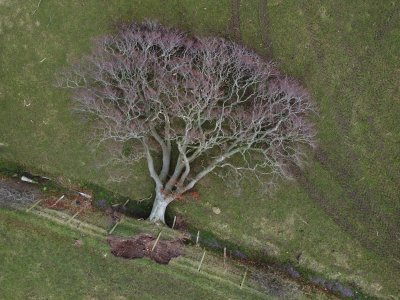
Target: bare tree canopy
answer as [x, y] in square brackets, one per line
[209, 98]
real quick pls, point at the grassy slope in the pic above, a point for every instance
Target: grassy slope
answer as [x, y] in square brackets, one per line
[342, 213]
[31, 267]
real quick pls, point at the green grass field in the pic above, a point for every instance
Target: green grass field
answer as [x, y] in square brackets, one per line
[342, 213]
[39, 259]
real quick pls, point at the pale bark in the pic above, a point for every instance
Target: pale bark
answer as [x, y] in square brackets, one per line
[160, 204]
[208, 97]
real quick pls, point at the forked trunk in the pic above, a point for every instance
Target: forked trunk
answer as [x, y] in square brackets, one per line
[160, 204]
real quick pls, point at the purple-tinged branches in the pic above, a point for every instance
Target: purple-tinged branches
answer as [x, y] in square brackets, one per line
[211, 98]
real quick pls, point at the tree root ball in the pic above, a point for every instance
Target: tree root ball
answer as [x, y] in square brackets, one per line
[140, 246]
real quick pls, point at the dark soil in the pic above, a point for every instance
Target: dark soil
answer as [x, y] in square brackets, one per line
[180, 223]
[140, 246]
[71, 203]
[113, 215]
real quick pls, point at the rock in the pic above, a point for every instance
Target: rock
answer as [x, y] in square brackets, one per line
[85, 195]
[26, 179]
[216, 210]
[78, 243]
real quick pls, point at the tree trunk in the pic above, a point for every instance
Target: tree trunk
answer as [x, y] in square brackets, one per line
[159, 206]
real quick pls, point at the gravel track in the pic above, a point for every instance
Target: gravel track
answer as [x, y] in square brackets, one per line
[17, 195]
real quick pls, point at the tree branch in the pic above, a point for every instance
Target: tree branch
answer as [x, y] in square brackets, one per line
[208, 96]
[166, 154]
[150, 165]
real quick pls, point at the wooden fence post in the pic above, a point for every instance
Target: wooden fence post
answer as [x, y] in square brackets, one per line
[201, 261]
[35, 204]
[155, 243]
[126, 202]
[58, 200]
[115, 226]
[244, 277]
[173, 223]
[224, 259]
[73, 217]
[197, 238]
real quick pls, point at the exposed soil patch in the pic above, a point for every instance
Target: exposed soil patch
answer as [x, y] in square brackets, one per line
[69, 203]
[141, 245]
[180, 223]
[333, 286]
[113, 215]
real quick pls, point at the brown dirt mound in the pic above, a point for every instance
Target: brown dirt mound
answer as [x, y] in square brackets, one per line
[140, 246]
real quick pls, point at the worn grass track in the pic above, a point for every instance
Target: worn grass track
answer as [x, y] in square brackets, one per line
[40, 262]
[35, 246]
